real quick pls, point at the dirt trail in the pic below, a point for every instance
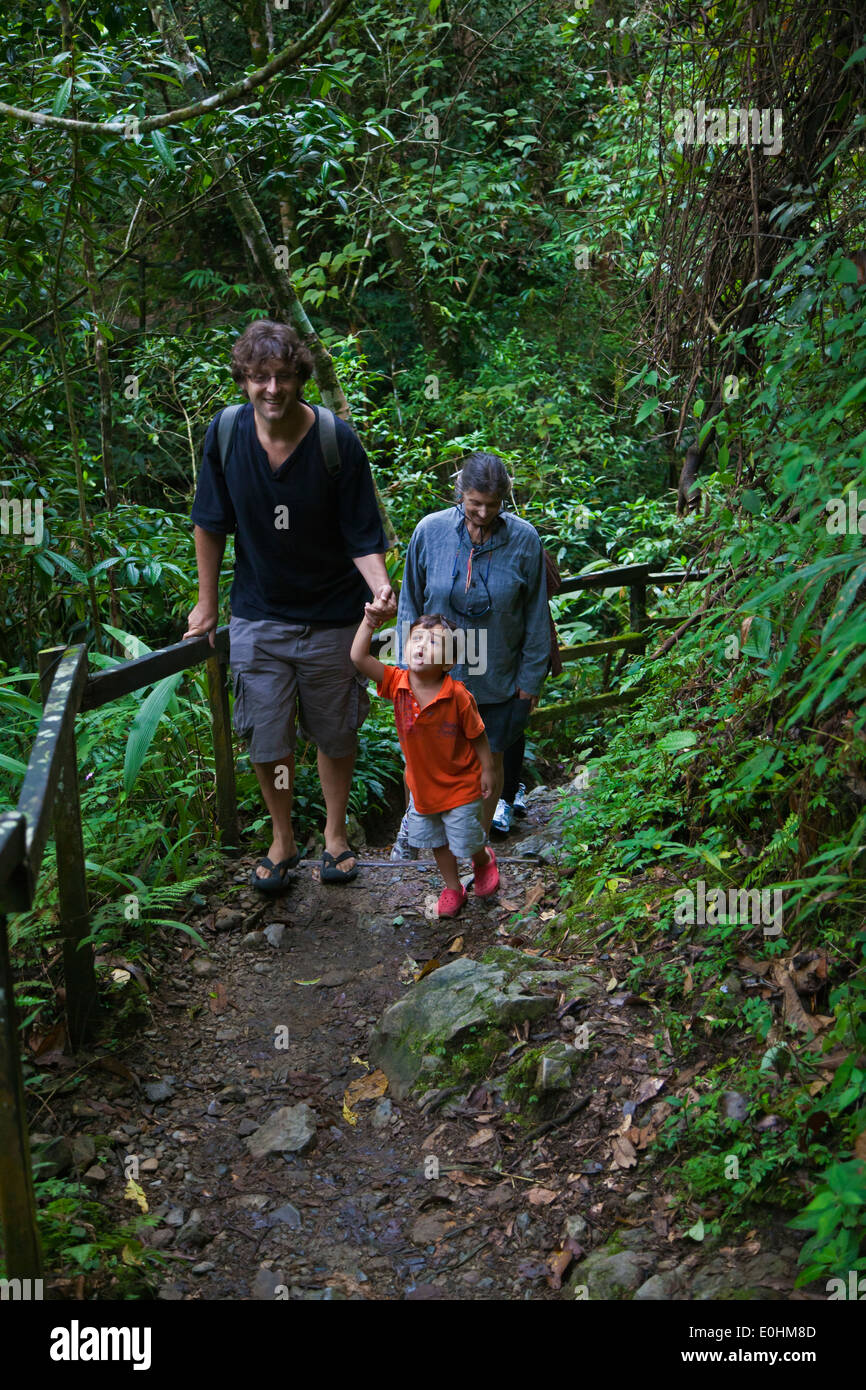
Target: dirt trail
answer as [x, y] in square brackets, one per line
[273, 1026]
[276, 1018]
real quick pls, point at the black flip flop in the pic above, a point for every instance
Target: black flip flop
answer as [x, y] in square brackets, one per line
[276, 879]
[331, 874]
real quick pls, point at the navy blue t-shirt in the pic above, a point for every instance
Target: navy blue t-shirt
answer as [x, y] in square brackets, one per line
[296, 528]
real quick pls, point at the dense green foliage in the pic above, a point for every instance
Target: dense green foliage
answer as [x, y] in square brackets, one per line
[503, 246]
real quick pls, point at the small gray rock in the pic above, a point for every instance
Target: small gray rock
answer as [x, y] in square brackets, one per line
[204, 1267]
[275, 935]
[286, 1216]
[659, 1288]
[54, 1152]
[289, 1130]
[247, 1127]
[636, 1198]
[203, 967]
[254, 941]
[174, 1217]
[637, 1238]
[232, 1092]
[255, 1201]
[556, 1067]
[266, 1283]
[193, 1235]
[228, 920]
[610, 1275]
[83, 1151]
[96, 1175]
[734, 1105]
[157, 1091]
[382, 1115]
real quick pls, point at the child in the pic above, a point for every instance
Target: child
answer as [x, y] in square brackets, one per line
[449, 766]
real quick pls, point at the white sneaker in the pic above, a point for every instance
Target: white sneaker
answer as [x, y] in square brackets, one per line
[502, 817]
[401, 848]
[520, 802]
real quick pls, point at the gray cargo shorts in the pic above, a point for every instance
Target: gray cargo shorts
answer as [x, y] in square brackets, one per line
[460, 829]
[283, 669]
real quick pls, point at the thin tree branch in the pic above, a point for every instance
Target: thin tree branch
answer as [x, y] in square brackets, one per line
[122, 126]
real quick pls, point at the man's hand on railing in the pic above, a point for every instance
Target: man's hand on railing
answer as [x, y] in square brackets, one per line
[203, 619]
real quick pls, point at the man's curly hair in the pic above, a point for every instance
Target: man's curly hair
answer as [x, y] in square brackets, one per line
[264, 340]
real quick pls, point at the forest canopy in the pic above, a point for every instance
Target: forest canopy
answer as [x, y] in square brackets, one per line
[624, 248]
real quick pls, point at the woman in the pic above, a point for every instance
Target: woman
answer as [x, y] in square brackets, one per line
[484, 569]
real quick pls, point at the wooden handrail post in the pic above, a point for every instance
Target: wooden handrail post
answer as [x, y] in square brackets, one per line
[224, 763]
[17, 1200]
[78, 972]
[637, 606]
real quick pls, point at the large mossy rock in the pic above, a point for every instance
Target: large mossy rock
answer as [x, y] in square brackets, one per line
[507, 988]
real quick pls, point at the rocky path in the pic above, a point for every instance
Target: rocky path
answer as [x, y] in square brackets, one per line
[255, 1117]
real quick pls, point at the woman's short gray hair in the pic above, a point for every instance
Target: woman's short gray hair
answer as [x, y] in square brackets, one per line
[483, 473]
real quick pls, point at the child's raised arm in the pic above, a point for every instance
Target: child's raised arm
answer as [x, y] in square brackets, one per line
[365, 662]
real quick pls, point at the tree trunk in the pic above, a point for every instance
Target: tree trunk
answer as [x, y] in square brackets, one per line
[431, 328]
[255, 235]
[249, 220]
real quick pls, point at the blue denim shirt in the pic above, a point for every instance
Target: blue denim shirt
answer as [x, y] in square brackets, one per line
[507, 573]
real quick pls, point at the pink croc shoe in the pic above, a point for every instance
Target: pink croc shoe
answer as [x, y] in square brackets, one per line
[487, 878]
[450, 901]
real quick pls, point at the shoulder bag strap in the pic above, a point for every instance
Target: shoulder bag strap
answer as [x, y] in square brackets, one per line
[226, 428]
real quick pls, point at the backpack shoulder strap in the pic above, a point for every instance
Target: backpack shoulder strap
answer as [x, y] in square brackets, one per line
[328, 440]
[226, 429]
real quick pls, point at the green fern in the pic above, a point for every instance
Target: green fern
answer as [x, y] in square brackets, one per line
[781, 844]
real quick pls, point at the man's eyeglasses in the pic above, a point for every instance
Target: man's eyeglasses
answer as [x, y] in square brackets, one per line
[261, 379]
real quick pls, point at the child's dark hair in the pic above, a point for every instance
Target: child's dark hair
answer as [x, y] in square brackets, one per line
[430, 620]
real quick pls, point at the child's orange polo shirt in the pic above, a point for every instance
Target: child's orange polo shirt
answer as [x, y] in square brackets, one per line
[442, 767]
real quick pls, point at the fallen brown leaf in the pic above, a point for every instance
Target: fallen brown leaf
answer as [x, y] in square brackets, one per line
[533, 896]
[467, 1179]
[649, 1087]
[622, 1153]
[53, 1041]
[369, 1087]
[794, 1011]
[427, 969]
[752, 966]
[541, 1196]
[218, 1001]
[558, 1263]
[482, 1137]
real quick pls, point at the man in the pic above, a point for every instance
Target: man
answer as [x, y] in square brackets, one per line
[309, 552]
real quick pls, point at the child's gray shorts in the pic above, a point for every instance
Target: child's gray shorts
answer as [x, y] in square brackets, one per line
[460, 829]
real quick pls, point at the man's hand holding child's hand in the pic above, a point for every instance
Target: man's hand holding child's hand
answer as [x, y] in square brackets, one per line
[383, 607]
[373, 615]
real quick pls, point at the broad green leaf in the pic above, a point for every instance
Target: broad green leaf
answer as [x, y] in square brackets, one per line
[677, 740]
[133, 646]
[144, 727]
[61, 101]
[163, 149]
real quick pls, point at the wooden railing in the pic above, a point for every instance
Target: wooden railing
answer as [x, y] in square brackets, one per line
[49, 796]
[637, 579]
